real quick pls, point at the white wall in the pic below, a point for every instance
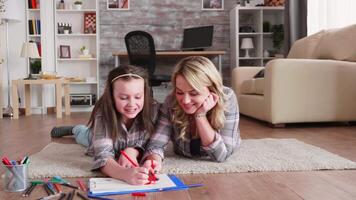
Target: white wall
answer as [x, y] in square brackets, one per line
[18, 65]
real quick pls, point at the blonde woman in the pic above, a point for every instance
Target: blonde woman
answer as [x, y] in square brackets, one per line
[200, 116]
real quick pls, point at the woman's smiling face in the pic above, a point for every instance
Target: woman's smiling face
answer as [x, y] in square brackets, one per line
[188, 98]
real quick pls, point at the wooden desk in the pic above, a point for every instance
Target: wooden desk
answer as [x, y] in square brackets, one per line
[177, 54]
[59, 83]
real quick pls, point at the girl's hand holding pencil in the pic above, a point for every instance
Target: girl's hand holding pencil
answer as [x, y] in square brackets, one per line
[128, 161]
[153, 164]
[135, 175]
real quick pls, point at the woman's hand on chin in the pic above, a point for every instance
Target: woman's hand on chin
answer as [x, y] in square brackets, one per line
[208, 104]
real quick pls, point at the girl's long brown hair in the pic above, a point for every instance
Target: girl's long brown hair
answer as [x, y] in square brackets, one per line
[106, 104]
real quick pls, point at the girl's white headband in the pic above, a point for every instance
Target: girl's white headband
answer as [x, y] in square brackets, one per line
[124, 75]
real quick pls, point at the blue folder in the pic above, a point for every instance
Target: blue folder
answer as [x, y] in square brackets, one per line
[179, 185]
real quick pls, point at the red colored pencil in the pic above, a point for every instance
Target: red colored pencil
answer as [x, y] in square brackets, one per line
[138, 194]
[81, 185]
[153, 176]
[128, 158]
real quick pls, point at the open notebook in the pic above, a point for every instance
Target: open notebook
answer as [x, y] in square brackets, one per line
[110, 186]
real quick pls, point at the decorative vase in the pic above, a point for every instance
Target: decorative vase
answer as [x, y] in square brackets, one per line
[78, 6]
[61, 5]
[85, 52]
[265, 53]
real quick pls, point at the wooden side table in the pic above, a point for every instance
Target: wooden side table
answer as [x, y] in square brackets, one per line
[59, 83]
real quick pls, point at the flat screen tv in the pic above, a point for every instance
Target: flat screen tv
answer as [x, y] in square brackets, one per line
[197, 38]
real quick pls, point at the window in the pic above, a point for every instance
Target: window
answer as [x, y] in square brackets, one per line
[326, 14]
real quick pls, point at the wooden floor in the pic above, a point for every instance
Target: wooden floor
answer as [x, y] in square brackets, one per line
[29, 135]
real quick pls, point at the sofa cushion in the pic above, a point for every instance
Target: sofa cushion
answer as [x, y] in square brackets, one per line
[259, 86]
[247, 86]
[253, 86]
[338, 44]
[306, 47]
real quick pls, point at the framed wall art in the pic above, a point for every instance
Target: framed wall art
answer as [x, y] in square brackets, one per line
[89, 23]
[118, 4]
[212, 4]
[64, 51]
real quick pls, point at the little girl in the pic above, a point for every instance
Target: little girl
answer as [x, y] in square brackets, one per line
[122, 119]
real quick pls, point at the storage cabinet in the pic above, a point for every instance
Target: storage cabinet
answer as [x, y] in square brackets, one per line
[33, 34]
[76, 30]
[256, 23]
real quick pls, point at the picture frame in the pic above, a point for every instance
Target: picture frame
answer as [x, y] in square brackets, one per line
[89, 23]
[212, 4]
[64, 51]
[118, 4]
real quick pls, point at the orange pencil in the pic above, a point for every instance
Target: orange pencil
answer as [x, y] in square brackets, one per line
[58, 187]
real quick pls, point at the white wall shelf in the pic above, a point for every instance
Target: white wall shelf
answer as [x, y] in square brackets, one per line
[83, 83]
[33, 14]
[77, 59]
[248, 34]
[75, 11]
[76, 66]
[77, 35]
[247, 22]
[250, 58]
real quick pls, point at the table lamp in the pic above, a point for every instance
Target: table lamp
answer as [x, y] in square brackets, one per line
[10, 13]
[247, 44]
[29, 50]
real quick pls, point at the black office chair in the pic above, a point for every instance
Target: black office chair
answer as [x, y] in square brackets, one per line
[141, 50]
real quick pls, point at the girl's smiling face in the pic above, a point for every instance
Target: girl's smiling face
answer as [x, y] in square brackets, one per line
[129, 97]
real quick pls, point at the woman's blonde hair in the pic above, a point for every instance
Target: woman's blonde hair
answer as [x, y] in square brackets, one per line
[199, 72]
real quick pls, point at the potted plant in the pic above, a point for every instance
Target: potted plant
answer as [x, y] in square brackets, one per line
[84, 50]
[266, 26]
[78, 5]
[277, 37]
[35, 66]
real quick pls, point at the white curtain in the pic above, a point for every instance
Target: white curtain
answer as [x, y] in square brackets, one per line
[325, 14]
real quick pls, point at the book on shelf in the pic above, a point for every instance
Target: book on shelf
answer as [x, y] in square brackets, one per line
[38, 23]
[32, 4]
[39, 48]
[30, 27]
[34, 26]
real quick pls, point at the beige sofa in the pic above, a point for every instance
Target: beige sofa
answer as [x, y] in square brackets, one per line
[316, 83]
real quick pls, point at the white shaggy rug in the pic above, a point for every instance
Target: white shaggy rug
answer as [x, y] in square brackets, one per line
[254, 155]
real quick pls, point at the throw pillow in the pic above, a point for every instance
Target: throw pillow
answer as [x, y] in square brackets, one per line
[306, 47]
[338, 44]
